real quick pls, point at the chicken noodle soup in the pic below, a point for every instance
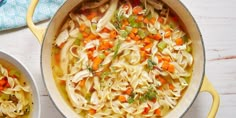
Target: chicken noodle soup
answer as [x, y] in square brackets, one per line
[15, 93]
[122, 58]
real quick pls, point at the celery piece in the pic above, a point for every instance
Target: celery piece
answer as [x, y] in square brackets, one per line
[128, 29]
[185, 38]
[162, 45]
[189, 49]
[14, 73]
[134, 24]
[102, 56]
[123, 33]
[141, 33]
[80, 36]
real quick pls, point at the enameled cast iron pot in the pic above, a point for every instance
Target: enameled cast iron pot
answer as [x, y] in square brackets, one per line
[199, 82]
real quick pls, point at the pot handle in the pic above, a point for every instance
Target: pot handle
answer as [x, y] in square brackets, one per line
[208, 87]
[37, 31]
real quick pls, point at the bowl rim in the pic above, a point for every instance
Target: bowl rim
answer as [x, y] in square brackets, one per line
[29, 78]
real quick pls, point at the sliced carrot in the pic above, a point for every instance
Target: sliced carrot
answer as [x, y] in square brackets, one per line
[179, 41]
[82, 27]
[135, 30]
[161, 20]
[148, 47]
[154, 100]
[159, 58]
[90, 54]
[147, 40]
[3, 82]
[146, 110]
[146, 20]
[96, 62]
[140, 18]
[166, 58]
[122, 98]
[92, 111]
[157, 112]
[157, 36]
[137, 10]
[171, 68]
[125, 22]
[165, 65]
[1, 88]
[128, 39]
[63, 82]
[132, 35]
[171, 86]
[152, 20]
[57, 58]
[162, 80]
[92, 36]
[92, 15]
[105, 30]
[85, 34]
[137, 37]
[105, 45]
[82, 83]
[129, 91]
[113, 34]
[167, 34]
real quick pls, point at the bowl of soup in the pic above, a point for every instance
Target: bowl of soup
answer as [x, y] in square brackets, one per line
[19, 95]
[123, 58]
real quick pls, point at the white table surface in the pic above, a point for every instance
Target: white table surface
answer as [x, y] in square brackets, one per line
[217, 22]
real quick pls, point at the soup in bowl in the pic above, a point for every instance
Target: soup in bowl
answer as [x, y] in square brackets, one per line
[18, 94]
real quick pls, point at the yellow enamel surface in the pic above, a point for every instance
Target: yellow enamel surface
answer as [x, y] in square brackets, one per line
[208, 87]
[38, 32]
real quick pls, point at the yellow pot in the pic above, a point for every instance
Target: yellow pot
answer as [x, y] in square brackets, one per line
[198, 82]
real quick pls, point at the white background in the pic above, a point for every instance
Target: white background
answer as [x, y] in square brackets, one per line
[217, 22]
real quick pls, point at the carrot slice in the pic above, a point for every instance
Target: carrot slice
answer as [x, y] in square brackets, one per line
[162, 80]
[171, 86]
[137, 10]
[179, 41]
[146, 110]
[171, 68]
[165, 65]
[96, 62]
[82, 27]
[129, 91]
[157, 112]
[92, 111]
[113, 34]
[122, 98]
[157, 36]
[167, 34]
[82, 83]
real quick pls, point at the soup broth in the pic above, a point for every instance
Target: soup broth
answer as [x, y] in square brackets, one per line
[15, 92]
[122, 59]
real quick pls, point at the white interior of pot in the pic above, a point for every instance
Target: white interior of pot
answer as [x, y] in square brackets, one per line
[192, 29]
[29, 78]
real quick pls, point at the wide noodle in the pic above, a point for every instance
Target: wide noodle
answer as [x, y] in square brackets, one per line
[122, 59]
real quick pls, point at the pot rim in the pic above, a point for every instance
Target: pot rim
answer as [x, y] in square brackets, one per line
[203, 50]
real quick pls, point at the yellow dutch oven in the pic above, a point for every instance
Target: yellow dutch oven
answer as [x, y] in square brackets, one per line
[199, 82]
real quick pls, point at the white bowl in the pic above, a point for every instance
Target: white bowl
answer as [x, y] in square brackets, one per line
[29, 78]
